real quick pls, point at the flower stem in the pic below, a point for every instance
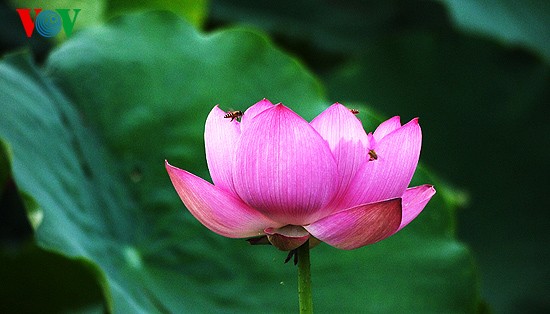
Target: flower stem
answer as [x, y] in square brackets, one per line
[304, 280]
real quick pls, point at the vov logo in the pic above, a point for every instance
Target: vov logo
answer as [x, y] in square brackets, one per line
[48, 23]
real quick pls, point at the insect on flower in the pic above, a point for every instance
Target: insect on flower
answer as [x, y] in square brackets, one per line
[372, 155]
[354, 111]
[234, 115]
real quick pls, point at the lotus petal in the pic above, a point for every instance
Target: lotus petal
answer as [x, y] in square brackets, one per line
[387, 127]
[414, 201]
[288, 237]
[253, 111]
[284, 168]
[346, 138]
[219, 135]
[358, 226]
[218, 209]
[390, 173]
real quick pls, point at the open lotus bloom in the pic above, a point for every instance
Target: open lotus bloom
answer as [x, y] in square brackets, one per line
[276, 175]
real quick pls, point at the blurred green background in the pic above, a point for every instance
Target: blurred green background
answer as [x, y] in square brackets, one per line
[90, 223]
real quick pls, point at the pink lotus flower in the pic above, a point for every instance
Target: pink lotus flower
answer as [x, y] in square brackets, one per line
[277, 175]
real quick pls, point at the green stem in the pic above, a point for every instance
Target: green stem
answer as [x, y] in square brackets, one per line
[304, 280]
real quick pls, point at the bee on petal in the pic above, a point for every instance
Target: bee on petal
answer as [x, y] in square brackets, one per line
[234, 115]
[372, 155]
